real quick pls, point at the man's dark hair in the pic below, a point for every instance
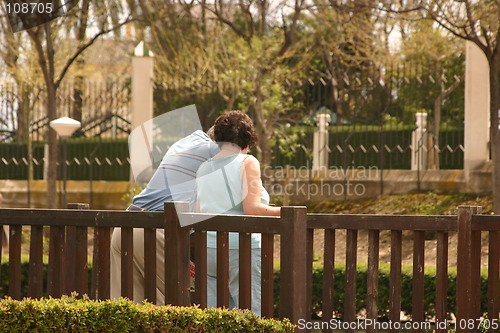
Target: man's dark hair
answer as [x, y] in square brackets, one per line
[235, 127]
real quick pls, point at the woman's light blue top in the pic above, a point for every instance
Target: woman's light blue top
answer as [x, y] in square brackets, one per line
[219, 190]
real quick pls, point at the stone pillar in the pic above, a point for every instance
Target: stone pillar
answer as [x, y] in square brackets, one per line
[142, 110]
[142, 86]
[320, 143]
[477, 109]
[419, 143]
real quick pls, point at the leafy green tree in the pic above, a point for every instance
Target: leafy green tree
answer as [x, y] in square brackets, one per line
[19, 67]
[478, 22]
[434, 46]
[247, 52]
[351, 50]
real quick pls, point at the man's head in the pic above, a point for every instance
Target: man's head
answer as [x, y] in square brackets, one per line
[235, 127]
[211, 134]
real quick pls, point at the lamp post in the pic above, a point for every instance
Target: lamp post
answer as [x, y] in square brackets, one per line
[65, 127]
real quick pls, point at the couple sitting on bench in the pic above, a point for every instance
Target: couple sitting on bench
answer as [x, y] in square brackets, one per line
[216, 178]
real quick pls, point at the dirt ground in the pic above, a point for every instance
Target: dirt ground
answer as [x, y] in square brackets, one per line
[411, 204]
[385, 248]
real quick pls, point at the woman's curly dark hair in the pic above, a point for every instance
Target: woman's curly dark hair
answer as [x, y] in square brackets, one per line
[235, 127]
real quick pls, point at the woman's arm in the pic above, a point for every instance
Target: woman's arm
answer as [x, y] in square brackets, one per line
[252, 190]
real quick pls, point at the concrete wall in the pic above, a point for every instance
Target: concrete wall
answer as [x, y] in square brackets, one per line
[105, 195]
[300, 185]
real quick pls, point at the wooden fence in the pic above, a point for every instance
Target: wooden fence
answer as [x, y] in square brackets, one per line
[68, 258]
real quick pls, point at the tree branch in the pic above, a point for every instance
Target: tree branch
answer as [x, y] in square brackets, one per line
[49, 48]
[227, 22]
[34, 35]
[86, 45]
[470, 19]
[290, 35]
[246, 10]
[451, 88]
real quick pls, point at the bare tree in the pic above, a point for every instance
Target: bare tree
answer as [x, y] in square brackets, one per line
[444, 91]
[478, 22]
[426, 42]
[18, 64]
[45, 39]
[475, 21]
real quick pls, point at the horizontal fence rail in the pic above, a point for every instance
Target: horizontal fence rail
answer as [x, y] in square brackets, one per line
[381, 222]
[468, 253]
[68, 232]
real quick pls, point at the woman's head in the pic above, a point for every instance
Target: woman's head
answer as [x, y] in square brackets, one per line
[235, 127]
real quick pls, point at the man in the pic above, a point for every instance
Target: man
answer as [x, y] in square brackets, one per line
[174, 180]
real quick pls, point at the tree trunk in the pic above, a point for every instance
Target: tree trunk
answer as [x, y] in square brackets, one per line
[494, 134]
[52, 139]
[77, 113]
[433, 150]
[262, 128]
[337, 100]
[264, 136]
[23, 117]
[78, 85]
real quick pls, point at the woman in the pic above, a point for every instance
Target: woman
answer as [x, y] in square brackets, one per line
[229, 183]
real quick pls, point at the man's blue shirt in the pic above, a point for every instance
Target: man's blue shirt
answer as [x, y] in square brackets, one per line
[174, 180]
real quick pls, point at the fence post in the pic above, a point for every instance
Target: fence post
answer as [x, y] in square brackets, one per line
[55, 270]
[75, 256]
[468, 269]
[101, 264]
[293, 264]
[177, 283]
[15, 236]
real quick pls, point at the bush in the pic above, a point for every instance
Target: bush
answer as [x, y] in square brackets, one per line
[339, 280]
[383, 289]
[68, 314]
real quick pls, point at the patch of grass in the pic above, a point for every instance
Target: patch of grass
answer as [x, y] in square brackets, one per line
[429, 203]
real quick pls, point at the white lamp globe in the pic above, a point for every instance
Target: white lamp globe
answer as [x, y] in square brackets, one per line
[65, 127]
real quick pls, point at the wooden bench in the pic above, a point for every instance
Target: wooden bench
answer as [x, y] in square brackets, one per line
[69, 257]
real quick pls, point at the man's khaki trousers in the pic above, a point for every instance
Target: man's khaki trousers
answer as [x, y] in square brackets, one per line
[138, 265]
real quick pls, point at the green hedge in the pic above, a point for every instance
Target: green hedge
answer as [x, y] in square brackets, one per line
[68, 314]
[117, 149]
[367, 136]
[383, 283]
[112, 154]
[339, 281]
